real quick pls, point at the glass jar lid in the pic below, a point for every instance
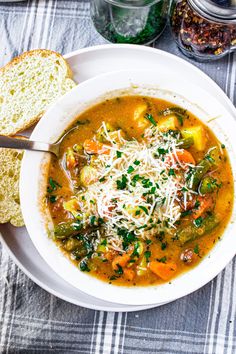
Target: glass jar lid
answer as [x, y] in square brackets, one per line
[216, 10]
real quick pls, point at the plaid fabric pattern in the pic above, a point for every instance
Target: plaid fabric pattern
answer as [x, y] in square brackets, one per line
[32, 320]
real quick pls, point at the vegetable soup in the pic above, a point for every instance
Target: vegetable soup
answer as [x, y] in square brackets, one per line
[141, 192]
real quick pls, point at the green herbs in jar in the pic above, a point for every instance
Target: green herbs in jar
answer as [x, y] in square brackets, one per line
[137, 22]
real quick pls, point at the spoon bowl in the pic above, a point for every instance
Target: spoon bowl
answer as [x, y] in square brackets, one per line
[27, 144]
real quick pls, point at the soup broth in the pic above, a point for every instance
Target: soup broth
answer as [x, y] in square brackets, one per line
[141, 193]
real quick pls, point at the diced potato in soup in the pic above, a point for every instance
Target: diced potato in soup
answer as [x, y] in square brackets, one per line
[198, 134]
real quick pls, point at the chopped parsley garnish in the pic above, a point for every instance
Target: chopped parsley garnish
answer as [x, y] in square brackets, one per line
[162, 151]
[214, 184]
[92, 219]
[209, 158]
[53, 185]
[52, 198]
[135, 179]
[148, 242]
[152, 190]
[147, 255]
[89, 247]
[130, 169]
[128, 237]
[137, 212]
[142, 227]
[149, 117]
[163, 246]
[136, 250]
[162, 260]
[197, 204]
[119, 270]
[198, 221]
[121, 184]
[186, 213]
[132, 261]
[171, 172]
[136, 162]
[144, 209]
[100, 221]
[190, 173]
[118, 154]
[89, 255]
[84, 266]
[223, 146]
[196, 249]
[104, 242]
[146, 183]
[76, 225]
[163, 201]
[102, 179]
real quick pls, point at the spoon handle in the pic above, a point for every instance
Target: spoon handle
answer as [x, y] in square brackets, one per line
[25, 144]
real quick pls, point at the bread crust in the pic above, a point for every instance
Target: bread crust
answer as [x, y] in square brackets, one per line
[44, 53]
[29, 53]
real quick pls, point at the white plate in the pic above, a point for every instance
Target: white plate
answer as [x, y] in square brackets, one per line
[162, 83]
[87, 63]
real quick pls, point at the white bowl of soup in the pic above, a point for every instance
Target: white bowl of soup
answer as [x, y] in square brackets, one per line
[140, 206]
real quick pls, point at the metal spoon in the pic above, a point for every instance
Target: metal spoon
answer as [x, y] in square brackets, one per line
[25, 144]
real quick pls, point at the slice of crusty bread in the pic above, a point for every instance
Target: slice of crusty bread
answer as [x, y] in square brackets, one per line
[10, 162]
[28, 85]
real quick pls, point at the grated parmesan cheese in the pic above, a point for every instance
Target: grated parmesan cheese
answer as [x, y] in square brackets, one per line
[138, 188]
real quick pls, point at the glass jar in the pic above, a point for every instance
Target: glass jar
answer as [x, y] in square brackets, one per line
[204, 29]
[129, 21]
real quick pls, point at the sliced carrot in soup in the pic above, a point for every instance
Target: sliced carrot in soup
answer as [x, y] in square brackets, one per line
[163, 270]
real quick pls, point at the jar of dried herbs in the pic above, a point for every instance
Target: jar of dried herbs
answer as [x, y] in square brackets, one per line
[204, 29]
[129, 21]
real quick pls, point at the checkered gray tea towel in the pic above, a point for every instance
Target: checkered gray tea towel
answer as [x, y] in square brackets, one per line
[32, 320]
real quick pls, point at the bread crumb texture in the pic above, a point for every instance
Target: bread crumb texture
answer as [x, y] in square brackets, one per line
[28, 85]
[10, 162]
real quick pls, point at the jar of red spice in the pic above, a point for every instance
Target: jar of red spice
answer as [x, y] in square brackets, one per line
[204, 29]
